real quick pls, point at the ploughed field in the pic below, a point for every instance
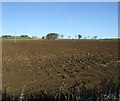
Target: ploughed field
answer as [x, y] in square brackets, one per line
[50, 66]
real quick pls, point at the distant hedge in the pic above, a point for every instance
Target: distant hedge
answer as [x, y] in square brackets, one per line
[19, 38]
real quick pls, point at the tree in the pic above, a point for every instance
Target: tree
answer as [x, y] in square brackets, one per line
[43, 37]
[79, 36]
[33, 36]
[95, 37]
[6, 36]
[24, 36]
[69, 37]
[52, 36]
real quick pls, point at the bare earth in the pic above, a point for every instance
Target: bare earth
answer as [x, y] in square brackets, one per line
[46, 65]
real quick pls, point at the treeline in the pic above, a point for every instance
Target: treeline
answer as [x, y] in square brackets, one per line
[8, 36]
[51, 36]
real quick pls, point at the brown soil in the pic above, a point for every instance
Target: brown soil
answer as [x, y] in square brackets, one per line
[44, 65]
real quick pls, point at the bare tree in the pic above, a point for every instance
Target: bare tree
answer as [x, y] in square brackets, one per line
[75, 37]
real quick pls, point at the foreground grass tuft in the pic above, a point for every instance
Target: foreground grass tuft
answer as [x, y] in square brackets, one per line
[74, 94]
